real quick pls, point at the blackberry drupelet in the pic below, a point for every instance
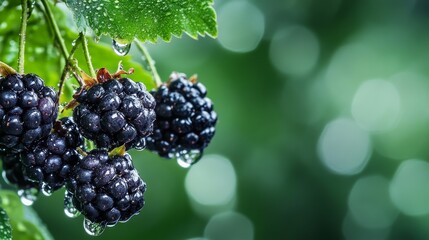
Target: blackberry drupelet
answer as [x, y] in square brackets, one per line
[51, 160]
[106, 189]
[185, 120]
[13, 172]
[114, 112]
[28, 110]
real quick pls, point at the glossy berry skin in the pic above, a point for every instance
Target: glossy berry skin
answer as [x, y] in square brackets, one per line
[115, 112]
[28, 110]
[106, 189]
[51, 160]
[185, 120]
[13, 171]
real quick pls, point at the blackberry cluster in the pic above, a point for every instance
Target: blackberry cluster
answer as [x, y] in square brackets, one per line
[106, 189]
[117, 114]
[51, 160]
[28, 110]
[185, 120]
[13, 174]
[114, 112]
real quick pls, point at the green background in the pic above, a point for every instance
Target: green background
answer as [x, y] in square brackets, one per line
[323, 114]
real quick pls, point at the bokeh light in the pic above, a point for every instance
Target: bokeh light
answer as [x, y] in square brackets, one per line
[294, 50]
[229, 226]
[408, 189]
[409, 138]
[343, 147]
[354, 231]
[370, 204]
[376, 105]
[212, 181]
[241, 26]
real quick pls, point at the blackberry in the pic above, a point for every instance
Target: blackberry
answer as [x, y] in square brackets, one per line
[51, 160]
[114, 112]
[185, 120]
[106, 189]
[27, 110]
[13, 174]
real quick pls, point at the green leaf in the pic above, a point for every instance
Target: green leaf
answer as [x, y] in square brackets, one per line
[25, 223]
[31, 216]
[11, 203]
[146, 19]
[5, 228]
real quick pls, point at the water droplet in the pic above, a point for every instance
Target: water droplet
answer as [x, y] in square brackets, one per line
[74, 43]
[140, 145]
[5, 177]
[187, 158]
[46, 189]
[93, 229]
[69, 209]
[120, 48]
[28, 196]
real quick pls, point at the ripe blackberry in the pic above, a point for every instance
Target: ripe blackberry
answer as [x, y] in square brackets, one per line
[51, 160]
[185, 120]
[27, 110]
[106, 189]
[13, 173]
[115, 111]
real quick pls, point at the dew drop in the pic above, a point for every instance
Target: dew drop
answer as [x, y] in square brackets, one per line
[28, 196]
[46, 190]
[120, 48]
[140, 145]
[186, 159]
[93, 229]
[69, 208]
[5, 177]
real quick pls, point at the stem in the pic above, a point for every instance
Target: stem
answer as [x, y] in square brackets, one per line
[22, 31]
[87, 55]
[150, 62]
[89, 145]
[68, 66]
[53, 23]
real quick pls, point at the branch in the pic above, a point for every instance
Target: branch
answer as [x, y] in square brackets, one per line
[68, 67]
[87, 55]
[22, 34]
[54, 25]
[150, 62]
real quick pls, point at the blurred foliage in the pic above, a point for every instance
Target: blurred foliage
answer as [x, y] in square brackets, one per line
[25, 223]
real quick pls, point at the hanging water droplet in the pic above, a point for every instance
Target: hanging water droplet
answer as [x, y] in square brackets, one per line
[186, 159]
[3, 174]
[93, 229]
[28, 196]
[46, 189]
[140, 145]
[69, 208]
[74, 43]
[120, 48]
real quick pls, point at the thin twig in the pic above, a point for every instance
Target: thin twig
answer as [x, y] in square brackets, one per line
[22, 34]
[87, 55]
[150, 62]
[68, 66]
[53, 23]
